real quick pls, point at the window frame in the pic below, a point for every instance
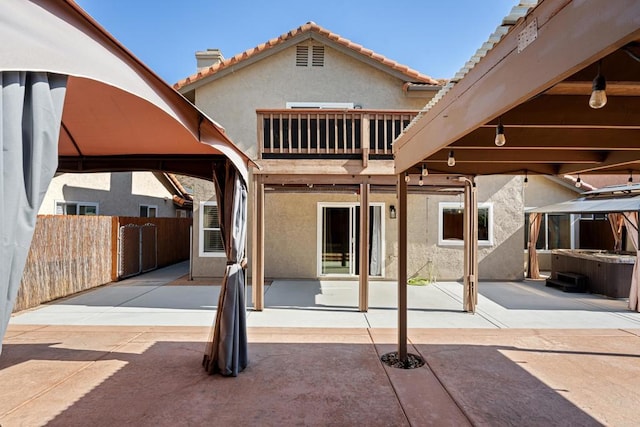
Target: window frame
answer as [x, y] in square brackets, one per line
[321, 105]
[574, 229]
[201, 230]
[65, 203]
[459, 205]
[141, 205]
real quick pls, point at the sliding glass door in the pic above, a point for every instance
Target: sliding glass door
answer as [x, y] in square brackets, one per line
[339, 234]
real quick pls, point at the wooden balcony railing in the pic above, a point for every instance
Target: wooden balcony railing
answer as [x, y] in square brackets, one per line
[311, 133]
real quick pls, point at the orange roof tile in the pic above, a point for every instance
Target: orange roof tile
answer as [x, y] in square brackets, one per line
[413, 75]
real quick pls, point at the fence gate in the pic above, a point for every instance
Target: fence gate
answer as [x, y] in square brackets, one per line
[137, 249]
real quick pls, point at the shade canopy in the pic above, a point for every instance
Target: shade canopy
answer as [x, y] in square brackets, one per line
[606, 200]
[118, 114]
[535, 75]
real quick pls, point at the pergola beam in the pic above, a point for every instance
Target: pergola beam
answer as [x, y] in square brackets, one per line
[506, 78]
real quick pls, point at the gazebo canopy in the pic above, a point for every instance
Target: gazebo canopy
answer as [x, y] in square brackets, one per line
[615, 199]
[118, 114]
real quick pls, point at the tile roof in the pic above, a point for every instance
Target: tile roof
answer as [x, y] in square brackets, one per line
[412, 75]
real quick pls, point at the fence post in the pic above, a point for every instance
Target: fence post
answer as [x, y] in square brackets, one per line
[115, 231]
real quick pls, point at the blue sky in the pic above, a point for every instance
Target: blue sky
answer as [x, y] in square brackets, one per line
[433, 37]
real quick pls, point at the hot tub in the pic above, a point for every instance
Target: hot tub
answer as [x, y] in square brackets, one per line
[609, 273]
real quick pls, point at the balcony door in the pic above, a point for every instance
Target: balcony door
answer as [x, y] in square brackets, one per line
[338, 236]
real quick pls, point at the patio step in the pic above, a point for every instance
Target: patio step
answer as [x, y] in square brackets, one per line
[569, 282]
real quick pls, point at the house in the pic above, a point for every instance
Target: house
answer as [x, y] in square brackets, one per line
[319, 114]
[143, 194]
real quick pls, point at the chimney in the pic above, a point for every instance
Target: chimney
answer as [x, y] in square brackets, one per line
[207, 58]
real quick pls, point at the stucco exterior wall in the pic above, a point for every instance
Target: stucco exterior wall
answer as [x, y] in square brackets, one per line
[117, 193]
[501, 261]
[276, 80]
[270, 84]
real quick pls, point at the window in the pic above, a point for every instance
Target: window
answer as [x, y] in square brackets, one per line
[210, 233]
[148, 211]
[451, 224]
[76, 208]
[555, 232]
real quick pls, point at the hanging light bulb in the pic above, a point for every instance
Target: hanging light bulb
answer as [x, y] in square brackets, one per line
[407, 178]
[420, 181]
[500, 138]
[630, 180]
[578, 182]
[525, 183]
[424, 171]
[598, 95]
[451, 161]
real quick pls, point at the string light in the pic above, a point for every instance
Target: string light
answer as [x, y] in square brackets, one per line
[598, 97]
[500, 138]
[407, 178]
[451, 160]
[424, 171]
[526, 179]
[578, 182]
[420, 181]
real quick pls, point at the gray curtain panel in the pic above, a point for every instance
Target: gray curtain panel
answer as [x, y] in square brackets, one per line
[226, 351]
[30, 115]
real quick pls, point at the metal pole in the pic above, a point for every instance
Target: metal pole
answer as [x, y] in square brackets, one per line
[402, 268]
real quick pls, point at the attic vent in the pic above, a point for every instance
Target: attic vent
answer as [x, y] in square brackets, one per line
[317, 58]
[302, 56]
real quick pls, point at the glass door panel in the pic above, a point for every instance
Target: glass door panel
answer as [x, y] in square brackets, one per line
[337, 247]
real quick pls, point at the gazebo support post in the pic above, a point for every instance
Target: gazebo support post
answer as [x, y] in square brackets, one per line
[363, 298]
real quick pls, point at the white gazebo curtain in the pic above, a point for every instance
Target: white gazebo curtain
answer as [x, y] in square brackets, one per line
[375, 261]
[226, 352]
[631, 222]
[31, 106]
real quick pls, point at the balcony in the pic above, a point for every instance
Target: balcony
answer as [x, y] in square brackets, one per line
[330, 134]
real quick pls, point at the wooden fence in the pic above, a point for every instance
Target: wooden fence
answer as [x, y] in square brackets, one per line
[72, 253]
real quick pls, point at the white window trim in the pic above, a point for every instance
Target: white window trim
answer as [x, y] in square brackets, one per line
[148, 206]
[322, 105]
[73, 202]
[459, 205]
[201, 251]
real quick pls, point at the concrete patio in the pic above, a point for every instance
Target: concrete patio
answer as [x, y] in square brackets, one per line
[129, 353]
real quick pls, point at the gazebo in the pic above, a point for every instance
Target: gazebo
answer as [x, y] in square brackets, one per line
[74, 99]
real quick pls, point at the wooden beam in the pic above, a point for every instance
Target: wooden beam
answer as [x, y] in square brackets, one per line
[257, 249]
[585, 88]
[500, 155]
[363, 278]
[614, 159]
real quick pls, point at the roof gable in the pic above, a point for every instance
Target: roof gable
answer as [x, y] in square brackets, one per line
[308, 31]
